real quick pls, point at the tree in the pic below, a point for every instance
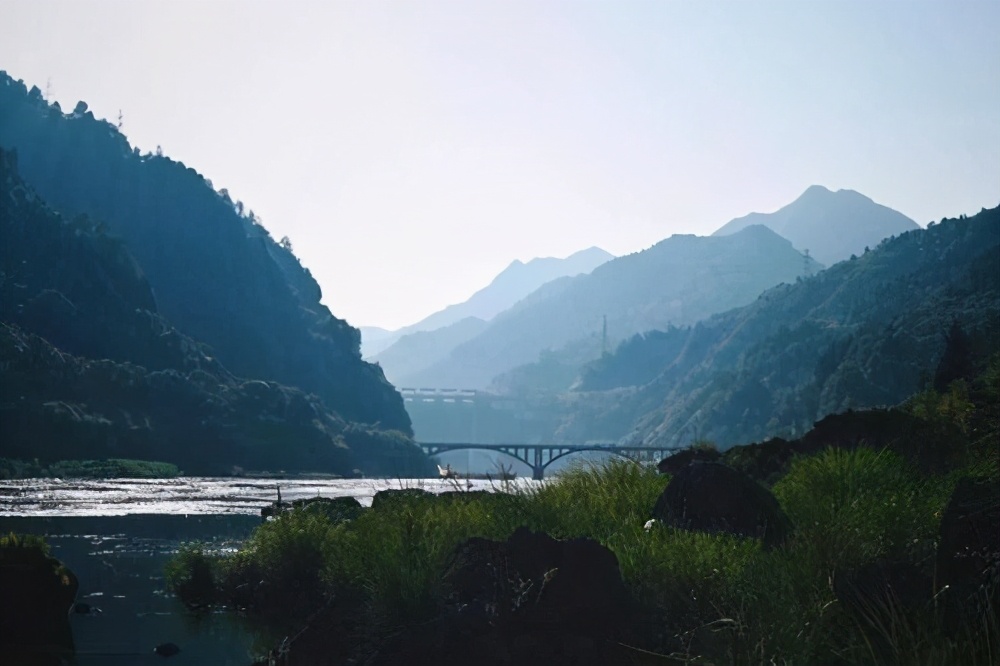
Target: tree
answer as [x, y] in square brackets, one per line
[286, 243]
[956, 362]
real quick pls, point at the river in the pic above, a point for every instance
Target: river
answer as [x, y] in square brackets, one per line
[116, 535]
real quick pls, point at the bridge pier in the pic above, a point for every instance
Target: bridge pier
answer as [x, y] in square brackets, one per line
[537, 469]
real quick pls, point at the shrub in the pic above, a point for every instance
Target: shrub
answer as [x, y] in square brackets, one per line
[597, 501]
[851, 507]
[711, 597]
[192, 575]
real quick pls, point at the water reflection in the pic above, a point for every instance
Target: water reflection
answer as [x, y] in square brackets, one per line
[119, 561]
[196, 495]
[117, 535]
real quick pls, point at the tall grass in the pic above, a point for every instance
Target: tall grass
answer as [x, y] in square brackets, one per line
[851, 507]
[602, 502]
[707, 598]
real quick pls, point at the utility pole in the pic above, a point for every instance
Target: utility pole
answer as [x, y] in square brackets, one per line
[604, 337]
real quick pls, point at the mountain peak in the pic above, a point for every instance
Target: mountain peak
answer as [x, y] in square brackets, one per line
[818, 194]
[813, 190]
[512, 284]
[832, 225]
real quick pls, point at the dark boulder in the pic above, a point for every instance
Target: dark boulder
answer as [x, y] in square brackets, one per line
[167, 649]
[968, 558]
[529, 600]
[931, 447]
[38, 593]
[384, 499]
[711, 497]
[880, 592]
[969, 546]
[765, 461]
[464, 495]
[337, 509]
[678, 461]
[575, 582]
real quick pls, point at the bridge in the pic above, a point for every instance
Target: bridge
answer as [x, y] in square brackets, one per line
[436, 394]
[540, 456]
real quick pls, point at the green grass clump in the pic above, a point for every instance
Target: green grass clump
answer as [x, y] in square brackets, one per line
[602, 502]
[193, 574]
[706, 598]
[397, 556]
[851, 507]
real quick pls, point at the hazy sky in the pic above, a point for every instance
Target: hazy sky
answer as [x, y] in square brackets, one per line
[412, 149]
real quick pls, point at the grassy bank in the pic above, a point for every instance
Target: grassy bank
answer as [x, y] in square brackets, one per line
[705, 598]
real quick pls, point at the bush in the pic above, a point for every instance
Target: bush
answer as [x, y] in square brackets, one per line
[603, 502]
[192, 575]
[851, 507]
[716, 598]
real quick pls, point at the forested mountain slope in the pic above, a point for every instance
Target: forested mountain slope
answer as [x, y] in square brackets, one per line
[865, 332]
[415, 351]
[89, 369]
[214, 271]
[679, 280]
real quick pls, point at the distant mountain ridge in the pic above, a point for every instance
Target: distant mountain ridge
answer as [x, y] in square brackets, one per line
[679, 280]
[415, 351]
[509, 286]
[861, 334]
[831, 225]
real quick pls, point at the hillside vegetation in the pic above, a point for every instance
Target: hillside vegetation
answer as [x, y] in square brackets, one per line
[679, 280]
[91, 369]
[216, 273]
[882, 564]
[866, 332]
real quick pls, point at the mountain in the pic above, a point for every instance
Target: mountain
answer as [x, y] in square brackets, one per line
[507, 288]
[679, 280]
[374, 339]
[415, 351]
[831, 225]
[214, 271]
[866, 332]
[90, 369]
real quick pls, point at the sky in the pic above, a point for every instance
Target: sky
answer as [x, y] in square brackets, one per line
[411, 150]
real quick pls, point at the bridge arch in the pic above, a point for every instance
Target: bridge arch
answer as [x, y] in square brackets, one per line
[539, 456]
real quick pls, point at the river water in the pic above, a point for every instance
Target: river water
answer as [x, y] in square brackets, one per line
[116, 535]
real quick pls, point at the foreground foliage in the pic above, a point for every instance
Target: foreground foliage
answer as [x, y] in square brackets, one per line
[704, 598]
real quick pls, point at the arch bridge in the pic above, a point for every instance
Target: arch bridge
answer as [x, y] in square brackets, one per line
[540, 456]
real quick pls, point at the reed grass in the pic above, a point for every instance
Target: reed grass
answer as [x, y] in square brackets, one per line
[707, 598]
